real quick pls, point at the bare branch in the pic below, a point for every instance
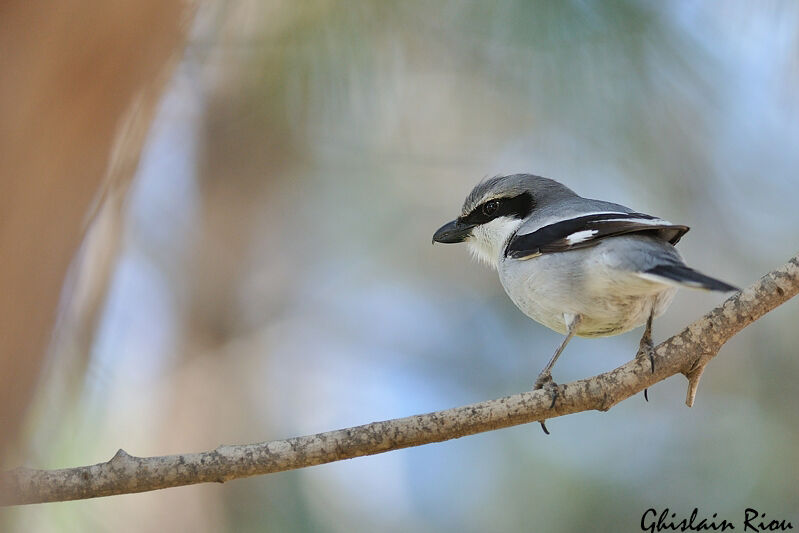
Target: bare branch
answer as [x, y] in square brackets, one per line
[686, 353]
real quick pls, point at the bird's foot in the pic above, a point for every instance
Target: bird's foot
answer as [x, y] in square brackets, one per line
[646, 349]
[544, 381]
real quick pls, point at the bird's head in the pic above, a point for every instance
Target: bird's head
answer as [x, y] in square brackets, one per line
[495, 209]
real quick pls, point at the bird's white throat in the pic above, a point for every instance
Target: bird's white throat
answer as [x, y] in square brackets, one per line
[487, 241]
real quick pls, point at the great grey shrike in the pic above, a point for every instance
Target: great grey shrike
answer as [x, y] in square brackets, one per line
[578, 266]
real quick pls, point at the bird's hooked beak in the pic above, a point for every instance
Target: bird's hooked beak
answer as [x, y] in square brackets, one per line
[452, 232]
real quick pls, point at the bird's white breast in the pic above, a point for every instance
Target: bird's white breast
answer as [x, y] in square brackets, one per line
[586, 282]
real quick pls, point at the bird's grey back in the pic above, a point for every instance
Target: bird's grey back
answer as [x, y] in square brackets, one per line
[553, 201]
[568, 208]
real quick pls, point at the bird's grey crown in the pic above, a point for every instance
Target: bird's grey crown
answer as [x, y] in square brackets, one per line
[542, 189]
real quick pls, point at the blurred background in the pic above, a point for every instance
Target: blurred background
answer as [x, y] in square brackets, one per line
[268, 271]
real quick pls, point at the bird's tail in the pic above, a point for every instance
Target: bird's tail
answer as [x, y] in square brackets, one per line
[687, 277]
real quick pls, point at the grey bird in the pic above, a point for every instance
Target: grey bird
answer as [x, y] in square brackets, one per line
[576, 265]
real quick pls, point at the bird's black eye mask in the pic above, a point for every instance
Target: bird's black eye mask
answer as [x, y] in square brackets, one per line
[517, 207]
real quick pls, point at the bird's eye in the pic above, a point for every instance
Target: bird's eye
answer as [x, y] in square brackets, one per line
[490, 207]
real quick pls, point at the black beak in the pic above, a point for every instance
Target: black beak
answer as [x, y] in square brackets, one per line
[452, 232]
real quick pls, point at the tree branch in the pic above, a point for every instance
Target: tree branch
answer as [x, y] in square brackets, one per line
[686, 353]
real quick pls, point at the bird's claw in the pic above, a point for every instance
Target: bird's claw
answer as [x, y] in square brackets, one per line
[544, 381]
[647, 350]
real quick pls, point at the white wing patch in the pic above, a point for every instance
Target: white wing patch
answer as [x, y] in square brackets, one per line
[581, 236]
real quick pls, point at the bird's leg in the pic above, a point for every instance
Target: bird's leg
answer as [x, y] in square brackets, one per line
[646, 347]
[545, 377]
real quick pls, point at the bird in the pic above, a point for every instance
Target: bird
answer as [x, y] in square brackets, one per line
[578, 266]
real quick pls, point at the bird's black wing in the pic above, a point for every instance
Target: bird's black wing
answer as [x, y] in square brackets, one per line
[588, 230]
